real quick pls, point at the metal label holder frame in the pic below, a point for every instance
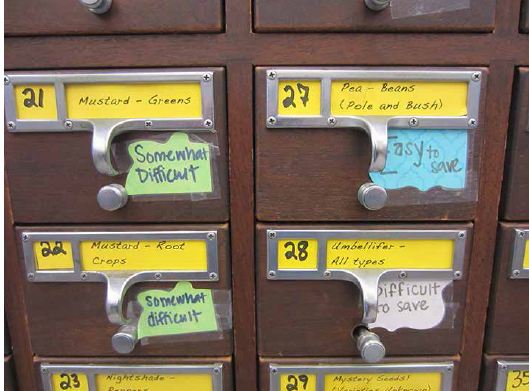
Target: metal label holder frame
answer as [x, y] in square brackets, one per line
[105, 130]
[375, 126]
[445, 368]
[365, 279]
[118, 282]
[504, 367]
[47, 370]
[520, 242]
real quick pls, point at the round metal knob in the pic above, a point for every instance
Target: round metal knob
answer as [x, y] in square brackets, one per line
[372, 196]
[97, 6]
[125, 339]
[371, 348]
[112, 197]
[376, 5]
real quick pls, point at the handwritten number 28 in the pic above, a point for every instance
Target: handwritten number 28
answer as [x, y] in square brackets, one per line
[302, 253]
[521, 379]
[294, 380]
[304, 95]
[71, 381]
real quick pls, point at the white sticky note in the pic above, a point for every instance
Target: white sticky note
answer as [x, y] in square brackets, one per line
[416, 304]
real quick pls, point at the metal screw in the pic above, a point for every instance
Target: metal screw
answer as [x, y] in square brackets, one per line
[31, 276]
[84, 276]
[516, 273]
[68, 124]
[472, 122]
[457, 274]
[274, 370]
[272, 235]
[326, 273]
[476, 76]
[43, 370]
[504, 367]
[272, 75]
[413, 122]
[211, 235]
[403, 275]
[271, 120]
[449, 369]
[271, 274]
[331, 121]
[213, 276]
[158, 275]
[148, 124]
[521, 234]
[206, 76]
[208, 123]
[216, 370]
[6, 80]
[25, 238]
[462, 235]
[11, 125]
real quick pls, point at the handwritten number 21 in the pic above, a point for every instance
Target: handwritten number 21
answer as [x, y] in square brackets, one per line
[304, 379]
[71, 381]
[304, 95]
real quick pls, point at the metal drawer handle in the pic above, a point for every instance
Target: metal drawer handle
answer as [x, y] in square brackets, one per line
[97, 6]
[368, 343]
[376, 5]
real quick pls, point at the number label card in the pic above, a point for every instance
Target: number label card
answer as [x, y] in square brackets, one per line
[520, 254]
[132, 377]
[416, 376]
[512, 376]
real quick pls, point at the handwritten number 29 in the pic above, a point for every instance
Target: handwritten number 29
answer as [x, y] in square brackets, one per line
[521, 379]
[301, 254]
[303, 92]
[70, 381]
[294, 381]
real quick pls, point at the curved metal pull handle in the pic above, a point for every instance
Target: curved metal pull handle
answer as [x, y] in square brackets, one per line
[103, 133]
[97, 6]
[117, 287]
[367, 282]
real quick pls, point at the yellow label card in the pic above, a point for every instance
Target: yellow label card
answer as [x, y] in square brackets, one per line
[69, 381]
[356, 97]
[134, 100]
[298, 382]
[144, 255]
[526, 255]
[53, 255]
[389, 254]
[297, 254]
[299, 97]
[154, 382]
[35, 101]
[518, 381]
[384, 382]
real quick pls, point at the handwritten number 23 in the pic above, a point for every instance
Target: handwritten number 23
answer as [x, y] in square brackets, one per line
[518, 381]
[304, 379]
[304, 95]
[71, 381]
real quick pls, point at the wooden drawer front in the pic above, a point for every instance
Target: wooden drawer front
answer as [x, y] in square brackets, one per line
[314, 315]
[516, 183]
[54, 174]
[201, 373]
[10, 383]
[28, 17]
[343, 15]
[309, 169]
[506, 328]
[524, 20]
[505, 373]
[318, 374]
[76, 306]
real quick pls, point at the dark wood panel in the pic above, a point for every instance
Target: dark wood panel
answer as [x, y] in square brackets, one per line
[53, 178]
[315, 318]
[516, 181]
[490, 367]
[344, 15]
[77, 310]
[315, 174]
[227, 364]
[507, 323]
[264, 365]
[10, 382]
[524, 20]
[29, 17]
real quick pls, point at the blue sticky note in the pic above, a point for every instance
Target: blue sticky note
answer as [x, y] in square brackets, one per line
[424, 158]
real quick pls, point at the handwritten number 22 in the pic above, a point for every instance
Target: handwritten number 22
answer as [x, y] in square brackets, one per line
[304, 379]
[71, 381]
[519, 380]
[48, 250]
[304, 95]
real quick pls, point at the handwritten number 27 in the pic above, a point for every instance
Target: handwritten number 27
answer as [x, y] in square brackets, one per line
[294, 380]
[71, 381]
[303, 92]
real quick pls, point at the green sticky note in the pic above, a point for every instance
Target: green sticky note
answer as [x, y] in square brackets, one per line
[182, 310]
[175, 167]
